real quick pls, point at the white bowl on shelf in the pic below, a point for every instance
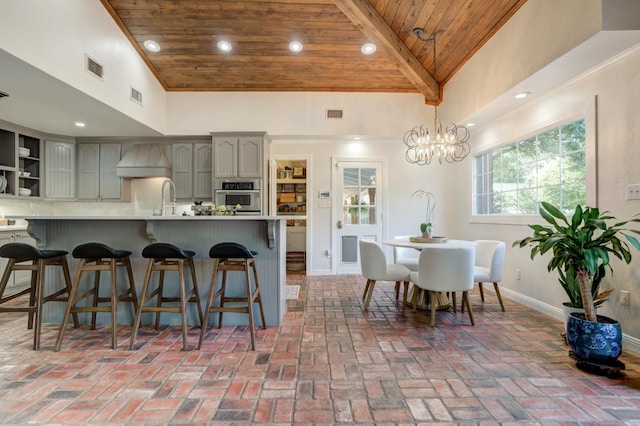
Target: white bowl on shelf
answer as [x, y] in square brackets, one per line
[25, 174]
[24, 192]
[24, 152]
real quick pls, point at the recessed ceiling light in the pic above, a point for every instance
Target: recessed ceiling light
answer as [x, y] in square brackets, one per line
[368, 48]
[471, 124]
[224, 46]
[79, 124]
[151, 46]
[295, 46]
[521, 95]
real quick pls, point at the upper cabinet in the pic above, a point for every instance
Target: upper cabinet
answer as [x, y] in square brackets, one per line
[240, 155]
[20, 163]
[192, 171]
[60, 170]
[96, 173]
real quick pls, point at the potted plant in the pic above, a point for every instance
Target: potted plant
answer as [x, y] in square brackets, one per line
[425, 228]
[581, 252]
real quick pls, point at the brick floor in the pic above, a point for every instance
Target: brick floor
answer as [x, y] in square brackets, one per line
[329, 363]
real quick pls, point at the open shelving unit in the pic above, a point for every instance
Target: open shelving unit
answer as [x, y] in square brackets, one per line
[291, 200]
[20, 164]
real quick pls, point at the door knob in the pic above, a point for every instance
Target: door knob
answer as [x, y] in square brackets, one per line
[339, 225]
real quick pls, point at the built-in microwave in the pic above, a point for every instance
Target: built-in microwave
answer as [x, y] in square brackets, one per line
[247, 193]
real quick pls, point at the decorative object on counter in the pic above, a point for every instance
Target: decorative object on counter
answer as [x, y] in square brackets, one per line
[25, 257]
[450, 145]
[582, 249]
[230, 256]
[224, 211]
[164, 257]
[434, 239]
[98, 257]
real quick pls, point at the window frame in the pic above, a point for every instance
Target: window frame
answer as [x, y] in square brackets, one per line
[586, 112]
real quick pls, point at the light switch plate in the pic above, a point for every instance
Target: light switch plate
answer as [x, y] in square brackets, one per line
[633, 191]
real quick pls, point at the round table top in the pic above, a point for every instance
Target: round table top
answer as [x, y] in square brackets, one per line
[404, 242]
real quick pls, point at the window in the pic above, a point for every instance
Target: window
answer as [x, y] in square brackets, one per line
[549, 166]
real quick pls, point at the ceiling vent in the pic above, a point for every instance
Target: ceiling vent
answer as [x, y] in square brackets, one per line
[94, 67]
[334, 113]
[136, 96]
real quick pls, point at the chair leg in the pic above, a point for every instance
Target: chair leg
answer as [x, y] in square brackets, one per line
[465, 300]
[481, 291]
[160, 294]
[397, 290]
[433, 308]
[414, 300]
[222, 296]
[183, 304]
[114, 305]
[196, 293]
[249, 304]
[258, 295]
[132, 285]
[70, 306]
[207, 310]
[497, 289]
[404, 295]
[372, 286]
[143, 299]
[366, 290]
[39, 301]
[96, 292]
[68, 286]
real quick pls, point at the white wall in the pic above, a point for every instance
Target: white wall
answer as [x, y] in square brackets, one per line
[56, 39]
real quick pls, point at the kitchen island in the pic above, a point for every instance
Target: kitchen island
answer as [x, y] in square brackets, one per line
[264, 234]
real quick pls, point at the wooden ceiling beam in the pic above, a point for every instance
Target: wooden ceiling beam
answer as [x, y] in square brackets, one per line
[365, 17]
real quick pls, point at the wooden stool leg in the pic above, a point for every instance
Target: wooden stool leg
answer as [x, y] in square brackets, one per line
[207, 311]
[160, 293]
[67, 281]
[96, 292]
[70, 305]
[249, 304]
[222, 296]
[183, 303]
[258, 294]
[132, 285]
[33, 294]
[114, 304]
[143, 299]
[196, 293]
[39, 301]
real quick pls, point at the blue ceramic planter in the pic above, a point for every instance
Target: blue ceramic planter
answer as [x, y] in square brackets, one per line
[594, 342]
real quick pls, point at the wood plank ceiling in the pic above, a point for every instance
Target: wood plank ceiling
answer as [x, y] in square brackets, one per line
[331, 31]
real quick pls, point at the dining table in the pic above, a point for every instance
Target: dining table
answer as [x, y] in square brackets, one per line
[423, 301]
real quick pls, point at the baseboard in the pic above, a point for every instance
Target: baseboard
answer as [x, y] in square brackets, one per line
[629, 343]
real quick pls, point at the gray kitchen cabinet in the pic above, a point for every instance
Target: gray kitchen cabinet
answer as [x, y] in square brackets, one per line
[18, 277]
[191, 170]
[239, 155]
[20, 163]
[60, 170]
[96, 172]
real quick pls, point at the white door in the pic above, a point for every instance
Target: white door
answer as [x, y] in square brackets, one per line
[357, 211]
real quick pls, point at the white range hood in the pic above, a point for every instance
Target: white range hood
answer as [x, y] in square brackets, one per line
[144, 160]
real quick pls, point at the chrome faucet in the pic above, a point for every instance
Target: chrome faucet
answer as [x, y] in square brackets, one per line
[172, 195]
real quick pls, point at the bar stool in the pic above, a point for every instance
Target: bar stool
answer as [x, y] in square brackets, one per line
[18, 254]
[167, 257]
[233, 257]
[98, 257]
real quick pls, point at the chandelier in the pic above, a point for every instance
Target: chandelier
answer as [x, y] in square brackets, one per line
[448, 145]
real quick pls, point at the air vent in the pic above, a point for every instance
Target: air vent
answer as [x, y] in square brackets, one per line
[334, 113]
[94, 67]
[136, 96]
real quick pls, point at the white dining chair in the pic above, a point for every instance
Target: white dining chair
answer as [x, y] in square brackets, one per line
[445, 270]
[375, 268]
[405, 255]
[489, 266]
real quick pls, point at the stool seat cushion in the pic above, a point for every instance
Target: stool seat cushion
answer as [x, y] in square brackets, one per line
[166, 251]
[98, 251]
[27, 252]
[231, 251]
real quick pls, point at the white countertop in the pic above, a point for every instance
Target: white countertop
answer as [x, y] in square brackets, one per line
[239, 217]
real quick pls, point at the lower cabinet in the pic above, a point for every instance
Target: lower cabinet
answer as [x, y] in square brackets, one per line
[296, 248]
[20, 277]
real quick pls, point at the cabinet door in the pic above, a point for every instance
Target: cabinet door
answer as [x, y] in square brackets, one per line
[225, 157]
[250, 157]
[88, 171]
[60, 170]
[296, 238]
[202, 171]
[182, 169]
[110, 183]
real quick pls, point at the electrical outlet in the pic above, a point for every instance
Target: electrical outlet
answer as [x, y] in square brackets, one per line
[633, 192]
[518, 275]
[624, 297]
